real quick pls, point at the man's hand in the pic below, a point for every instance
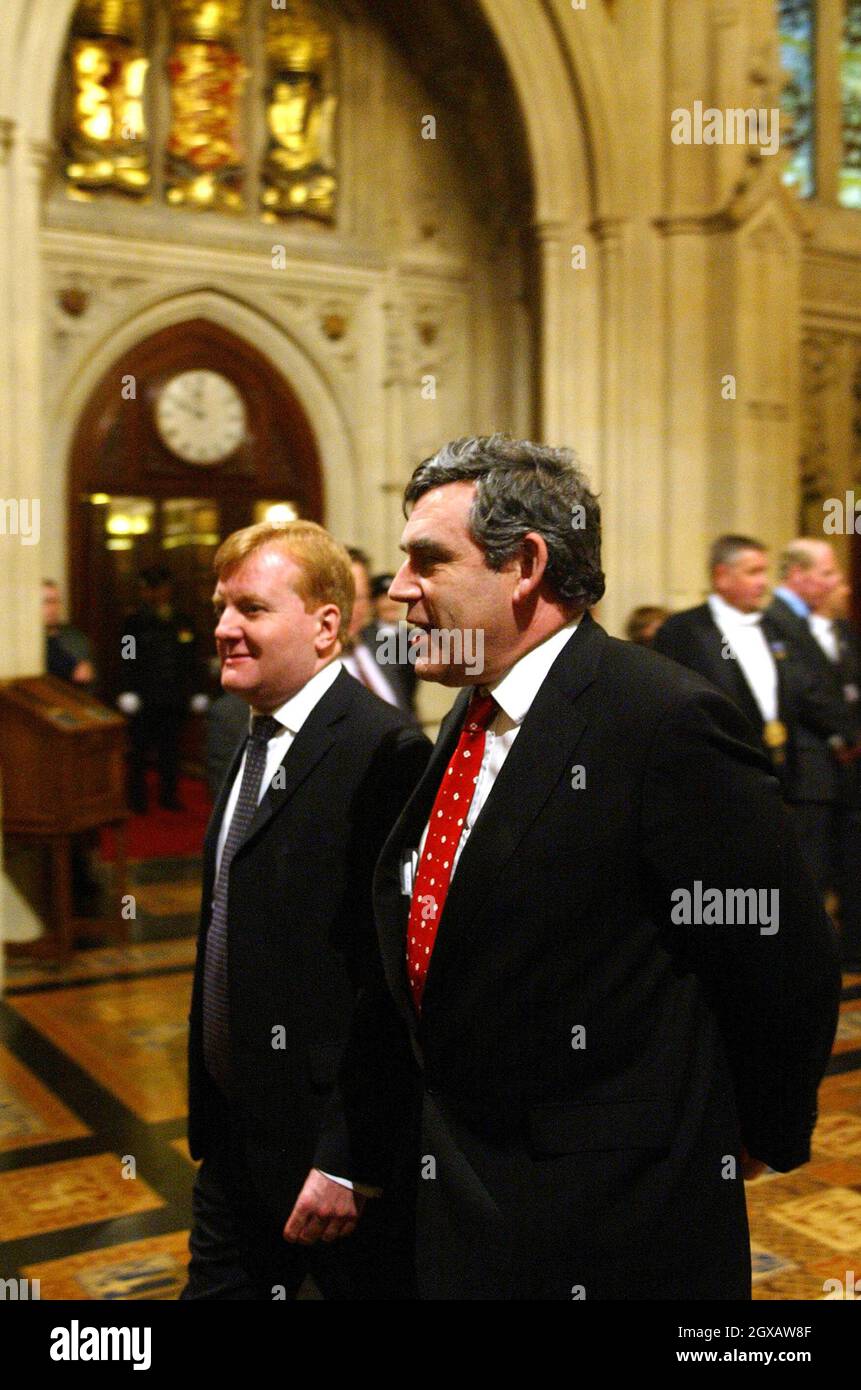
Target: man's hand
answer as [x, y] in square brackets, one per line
[751, 1167]
[84, 673]
[324, 1210]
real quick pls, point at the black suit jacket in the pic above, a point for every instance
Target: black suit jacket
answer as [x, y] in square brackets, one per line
[301, 937]
[816, 773]
[694, 639]
[553, 1161]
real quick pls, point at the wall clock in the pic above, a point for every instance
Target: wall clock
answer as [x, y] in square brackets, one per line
[201, 417]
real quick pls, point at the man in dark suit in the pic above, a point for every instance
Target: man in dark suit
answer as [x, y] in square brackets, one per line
[598, 1056]
[838, 639]
[160, 674]
[808, 575]
[734, 645]
[286, 931]
[226, 729]
[388, 638]
[360, 653]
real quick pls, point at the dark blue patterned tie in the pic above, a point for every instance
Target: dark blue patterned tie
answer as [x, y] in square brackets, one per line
[216, 1039]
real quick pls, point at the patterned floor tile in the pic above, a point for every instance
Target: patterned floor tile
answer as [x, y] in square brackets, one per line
[836, 1172]
[837, 1135]
[29, 1112]
[75, 1192]
[142, 1269]
[181, 1146]
[834, 1266]
[829, 1217]
[842, 1092]
[848, 1027]
[131, 959]
[765, 1264]
[130, 1035]
[168, 899]
[798, 1284]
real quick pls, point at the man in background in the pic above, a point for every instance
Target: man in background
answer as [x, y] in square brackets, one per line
[838, 638]
[729, 640]
[360, 652]
[68, 656]
[384, 635]
[159, 678]
[67, 651]
[808, 576]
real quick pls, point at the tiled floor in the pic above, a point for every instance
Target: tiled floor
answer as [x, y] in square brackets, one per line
[806, 1225]
[95, 1175]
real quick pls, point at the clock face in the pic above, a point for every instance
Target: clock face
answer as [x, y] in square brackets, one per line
[200, 417]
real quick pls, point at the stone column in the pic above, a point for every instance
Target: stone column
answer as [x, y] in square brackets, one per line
[7, 132]
[828, 113]
[22, 650]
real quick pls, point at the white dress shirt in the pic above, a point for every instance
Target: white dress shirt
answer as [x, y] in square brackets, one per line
[823, 630]
[514, 693]
[743, 632]
[292, 714]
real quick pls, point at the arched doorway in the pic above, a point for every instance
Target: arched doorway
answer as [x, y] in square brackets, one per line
[188, 436]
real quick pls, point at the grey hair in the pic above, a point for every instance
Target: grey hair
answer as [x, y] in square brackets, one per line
[522, 487]
[801, 552]
[726, 549]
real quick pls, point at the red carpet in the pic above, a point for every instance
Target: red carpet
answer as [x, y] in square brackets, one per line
[164, 834]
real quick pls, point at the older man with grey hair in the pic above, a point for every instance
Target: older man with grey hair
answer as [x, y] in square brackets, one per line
[611, 987]
[808, 574]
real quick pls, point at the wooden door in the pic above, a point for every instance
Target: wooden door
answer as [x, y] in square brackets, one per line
[134, 502]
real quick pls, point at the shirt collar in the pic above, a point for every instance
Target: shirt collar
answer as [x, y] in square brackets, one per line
[293, 713]
[727, 615]
[795, 603]
[515, 691]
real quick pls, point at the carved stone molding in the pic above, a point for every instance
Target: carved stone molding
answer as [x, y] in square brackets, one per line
[608, 230]
[819, 374]
[7, 138]
[81, 305]
[856, 419]
[761, 184]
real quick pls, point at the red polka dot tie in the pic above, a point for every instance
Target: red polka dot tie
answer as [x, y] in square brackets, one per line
[445, 830]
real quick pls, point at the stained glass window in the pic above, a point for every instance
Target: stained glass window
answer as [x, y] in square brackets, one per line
[849, 178]
[104, 140]
[162, 100]
[797, 34]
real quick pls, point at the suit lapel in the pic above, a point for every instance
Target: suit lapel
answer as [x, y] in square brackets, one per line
[312, 743]
[727, 671]
[798, 631]
[529, 774]
[210, 843]
[391, 904]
